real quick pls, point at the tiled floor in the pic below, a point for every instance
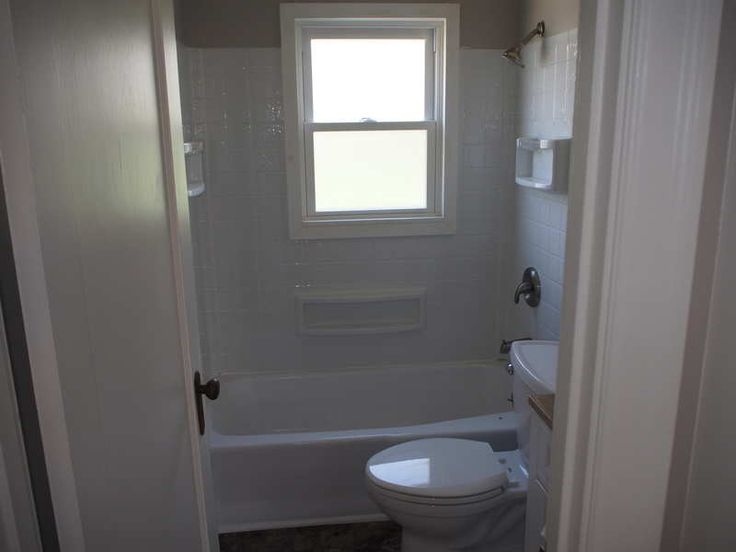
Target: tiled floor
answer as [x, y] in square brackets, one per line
[355, 537]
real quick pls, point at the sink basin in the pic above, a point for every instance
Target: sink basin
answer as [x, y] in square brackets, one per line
[536, 364]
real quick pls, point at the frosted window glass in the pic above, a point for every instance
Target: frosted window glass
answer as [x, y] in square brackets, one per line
[370, 170]
[377, 79]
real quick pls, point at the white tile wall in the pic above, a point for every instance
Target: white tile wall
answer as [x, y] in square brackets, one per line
[546, 97]
[547, 86]
[247, 267]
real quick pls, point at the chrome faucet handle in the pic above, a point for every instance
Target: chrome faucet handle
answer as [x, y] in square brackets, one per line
[530, 288]
[522, 288]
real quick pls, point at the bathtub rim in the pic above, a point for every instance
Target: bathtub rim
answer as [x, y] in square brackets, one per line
[358, 368]
[502, 421]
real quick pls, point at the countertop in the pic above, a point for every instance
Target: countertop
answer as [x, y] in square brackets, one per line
[544, 406]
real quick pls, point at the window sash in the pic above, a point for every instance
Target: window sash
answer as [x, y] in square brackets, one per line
[434, 168]
[371, 29]
[442, 22]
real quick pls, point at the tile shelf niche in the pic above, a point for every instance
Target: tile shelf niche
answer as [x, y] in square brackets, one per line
[356, 311]
[542, 163]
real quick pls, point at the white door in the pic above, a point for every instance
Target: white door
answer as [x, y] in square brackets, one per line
[91, 148]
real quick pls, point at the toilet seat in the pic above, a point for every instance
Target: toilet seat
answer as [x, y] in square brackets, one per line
[438, 471]
[438, 501]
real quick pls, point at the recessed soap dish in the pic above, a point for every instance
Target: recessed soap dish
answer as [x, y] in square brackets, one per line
[543, 163]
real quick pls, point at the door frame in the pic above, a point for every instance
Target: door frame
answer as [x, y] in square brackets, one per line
[21, 205]
[642, 120]
[26, 510]
[720, 175]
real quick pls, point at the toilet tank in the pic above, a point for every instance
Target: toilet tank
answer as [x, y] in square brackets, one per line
[535, 372]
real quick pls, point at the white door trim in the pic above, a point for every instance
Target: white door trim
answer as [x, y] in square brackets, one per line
[175, 185]
[641, 128]
[20, 196]
[720, 171]
[19, 531]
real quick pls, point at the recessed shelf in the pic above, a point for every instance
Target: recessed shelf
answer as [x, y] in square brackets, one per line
[360, 311]
[542, 163]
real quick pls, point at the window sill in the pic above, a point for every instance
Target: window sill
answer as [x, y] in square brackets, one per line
[374, 228]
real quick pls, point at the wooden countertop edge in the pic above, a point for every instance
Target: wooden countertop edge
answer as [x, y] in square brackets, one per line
[544, 406]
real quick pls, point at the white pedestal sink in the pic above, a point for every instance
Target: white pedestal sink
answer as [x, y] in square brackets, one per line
[535, 373]
[536, 364]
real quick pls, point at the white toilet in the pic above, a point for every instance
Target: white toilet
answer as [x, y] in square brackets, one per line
[451, 494]
[458, 494]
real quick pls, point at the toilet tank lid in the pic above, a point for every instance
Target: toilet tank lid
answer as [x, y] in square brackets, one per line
[440, 467]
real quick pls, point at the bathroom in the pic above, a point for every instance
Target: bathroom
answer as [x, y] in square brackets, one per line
[436, 306]
[369, 276]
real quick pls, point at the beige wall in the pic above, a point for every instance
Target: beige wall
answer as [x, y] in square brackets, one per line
[558, 15]
[255, 23]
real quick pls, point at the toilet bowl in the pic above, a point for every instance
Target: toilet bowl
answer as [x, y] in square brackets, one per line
[451, 495]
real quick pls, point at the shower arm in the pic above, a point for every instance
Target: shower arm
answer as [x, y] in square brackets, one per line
[538, 30]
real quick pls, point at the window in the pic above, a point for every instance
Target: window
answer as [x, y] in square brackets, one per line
[370, 94]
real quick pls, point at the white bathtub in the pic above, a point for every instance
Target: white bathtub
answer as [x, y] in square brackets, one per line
[289, 450]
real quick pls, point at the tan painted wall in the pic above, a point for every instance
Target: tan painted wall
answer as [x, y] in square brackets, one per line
[255, 23]
[558, 15]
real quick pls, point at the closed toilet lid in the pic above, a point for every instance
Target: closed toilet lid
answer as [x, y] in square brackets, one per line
[437, 468]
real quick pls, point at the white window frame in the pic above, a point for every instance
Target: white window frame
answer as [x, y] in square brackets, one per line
[437, 22]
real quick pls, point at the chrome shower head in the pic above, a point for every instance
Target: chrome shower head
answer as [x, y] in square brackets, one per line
[513, 54]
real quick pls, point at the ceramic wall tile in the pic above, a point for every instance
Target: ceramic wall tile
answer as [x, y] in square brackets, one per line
[545, 109]
[249, 270]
